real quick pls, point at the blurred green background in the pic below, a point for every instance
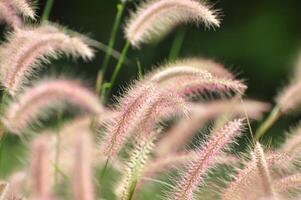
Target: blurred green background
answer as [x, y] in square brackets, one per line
[258, 40]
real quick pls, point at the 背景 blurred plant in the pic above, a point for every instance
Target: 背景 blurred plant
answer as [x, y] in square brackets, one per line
[149, 136]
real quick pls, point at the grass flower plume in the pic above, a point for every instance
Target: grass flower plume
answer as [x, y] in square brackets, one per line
[26, 50]
[158, 17]
[82, 168]
[11, 12]
[27, 107]
[144, 142]
[205, 160]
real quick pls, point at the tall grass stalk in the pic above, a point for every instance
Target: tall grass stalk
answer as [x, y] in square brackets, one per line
[47, 10]
[177, 44]
[102, 71]
[118, 67]
[2, 128]
[267, 124]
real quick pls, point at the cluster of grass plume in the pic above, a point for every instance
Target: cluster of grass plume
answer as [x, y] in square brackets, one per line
[149, 136]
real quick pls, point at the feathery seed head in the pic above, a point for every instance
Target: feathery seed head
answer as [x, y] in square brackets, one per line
[192, 87]
[161, 105]
[40, 168]
[156, 18]
[9, 16]
[289, 99]
[27, 49]
[24, 7]
[179, 135]
[129, 105]
[10, 11]
[247, 179]
[193, 79]
[292, 145]
[264, 171]
[194, 67]
[16, 183]
[134, 167]
[27, 107]
[215, 68]
[177, 71]
[82, 168]
[287, 183]
[205, 159]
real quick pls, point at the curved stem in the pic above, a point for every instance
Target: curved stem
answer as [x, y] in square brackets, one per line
[132, 190]
[266, 125]
[104, 66]
[140, 71]
[177, 44]
[118, 66]
[47, 10]
[2, 128]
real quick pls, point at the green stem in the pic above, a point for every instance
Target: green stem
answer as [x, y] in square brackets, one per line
[132, 189]
[266, 125]
[177, 44]
[105, 168]
[3, 135]
[140, 71]
[104, 66]
[118, 66]
[47, 10]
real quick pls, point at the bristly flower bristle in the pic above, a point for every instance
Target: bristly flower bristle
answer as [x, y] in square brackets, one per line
[161, 105]
[287, 183]
[289, 99]
[154, 127]
[16, 183]
[11, 11]
[264, 172]
[25, 7]
[205, 160]
[193, 67]
[158, 17]
[28, 48]
[248, 181]
[134, 167]
[40, 169]
[193, 79]
[292, 145]
[181, 133]
[129, 105]
[82, 168]
[28, 105]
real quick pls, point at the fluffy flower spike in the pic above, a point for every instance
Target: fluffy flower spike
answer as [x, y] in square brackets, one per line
[158, 17]
[40, 168]
[247, 179]
[25, 7]
[82, 168]
[26, 49]
[134, 167]
[128, 106]
[264, 172]
[10, 11]
[180, 134]
[194, 77]
[289, 99]
[28, 106]
[194, 67]
[205, 160]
